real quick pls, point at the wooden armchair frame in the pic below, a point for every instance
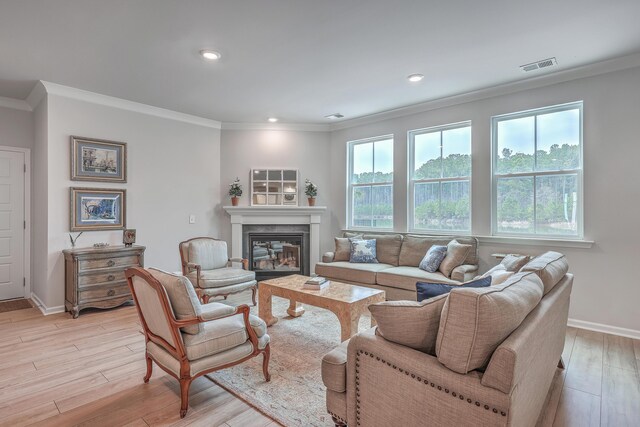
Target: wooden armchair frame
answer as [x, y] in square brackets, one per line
[188, 267]
[178, 352]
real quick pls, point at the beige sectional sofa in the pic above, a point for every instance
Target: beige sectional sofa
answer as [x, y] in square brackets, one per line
[397, 271]
[494, 353]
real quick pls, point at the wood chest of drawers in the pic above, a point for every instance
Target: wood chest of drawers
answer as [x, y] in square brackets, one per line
[95, 276]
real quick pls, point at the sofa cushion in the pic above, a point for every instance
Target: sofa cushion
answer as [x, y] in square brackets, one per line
[550, 267]
[388, 247]
[182, 296]
[476, 320]
[220, 277]
[432, 260]
[512, 262]
[432, 290]
[407, 277]
[409, 323]
[363, 251]
[343, 249]
[350, 272]
[208, 253]
[456, 254]
[414, 247]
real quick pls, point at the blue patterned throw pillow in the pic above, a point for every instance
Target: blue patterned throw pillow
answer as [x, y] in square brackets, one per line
[363, 251]
[432, 290]
[433, 258]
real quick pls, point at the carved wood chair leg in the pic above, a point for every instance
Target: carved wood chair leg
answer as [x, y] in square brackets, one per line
[561, 363]
[265, 363]
[225, 296]
[184, 396]
[337, 422]
[205, 299]
[149, 369]
[254, 290]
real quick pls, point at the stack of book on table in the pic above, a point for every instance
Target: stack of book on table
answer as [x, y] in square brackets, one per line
[316, 283]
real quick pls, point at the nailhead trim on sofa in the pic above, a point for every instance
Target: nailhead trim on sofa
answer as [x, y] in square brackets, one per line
[419, 379]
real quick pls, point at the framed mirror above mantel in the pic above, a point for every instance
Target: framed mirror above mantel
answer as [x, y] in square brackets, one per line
[274, 187]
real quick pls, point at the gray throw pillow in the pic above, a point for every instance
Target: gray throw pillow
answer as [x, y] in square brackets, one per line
[433, 258]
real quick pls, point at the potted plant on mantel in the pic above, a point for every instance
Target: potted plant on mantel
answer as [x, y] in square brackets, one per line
[311, 190]
[235, 191]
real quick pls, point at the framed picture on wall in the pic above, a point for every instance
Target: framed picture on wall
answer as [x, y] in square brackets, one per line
[98, 160]
[97, 209]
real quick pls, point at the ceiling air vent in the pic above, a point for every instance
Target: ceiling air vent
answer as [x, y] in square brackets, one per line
[545, 63]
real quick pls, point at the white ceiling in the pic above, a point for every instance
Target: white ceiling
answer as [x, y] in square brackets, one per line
[299, 60]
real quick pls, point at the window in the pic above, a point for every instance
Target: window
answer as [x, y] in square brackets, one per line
[370, 183]
[537, 172]
[440, 177]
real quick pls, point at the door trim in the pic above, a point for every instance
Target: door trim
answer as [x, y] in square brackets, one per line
[27, 215]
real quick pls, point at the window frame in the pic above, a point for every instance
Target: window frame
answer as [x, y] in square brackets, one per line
[579, 172]
[351, 185]
[411, 182]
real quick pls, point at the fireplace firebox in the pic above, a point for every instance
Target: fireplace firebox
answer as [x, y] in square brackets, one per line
[277, 252]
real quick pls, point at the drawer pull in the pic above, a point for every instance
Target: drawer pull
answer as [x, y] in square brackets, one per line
[111, 293]
[111, 277]
[111, 263]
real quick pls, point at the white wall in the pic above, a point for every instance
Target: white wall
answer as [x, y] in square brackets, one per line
[243, 150]
[606, 289]
[39, 201]
[16, 128]
[173, 171]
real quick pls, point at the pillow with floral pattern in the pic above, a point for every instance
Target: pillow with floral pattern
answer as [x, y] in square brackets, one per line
[363, 251]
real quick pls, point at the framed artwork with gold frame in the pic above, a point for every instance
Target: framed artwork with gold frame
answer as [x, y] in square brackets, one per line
[98, 160]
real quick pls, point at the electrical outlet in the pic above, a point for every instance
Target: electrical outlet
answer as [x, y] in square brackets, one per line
[192, 219]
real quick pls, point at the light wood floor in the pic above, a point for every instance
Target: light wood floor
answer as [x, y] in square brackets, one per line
[57, 371]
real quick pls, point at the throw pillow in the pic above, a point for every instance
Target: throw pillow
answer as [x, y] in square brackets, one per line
[433, 258]
[431, 290]
[498, 274]
[343, 249]
[410, 323]
[363, 251]
[456, 254]
[514, 262]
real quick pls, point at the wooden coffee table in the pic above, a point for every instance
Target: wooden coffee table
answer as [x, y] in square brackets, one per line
[348, 302]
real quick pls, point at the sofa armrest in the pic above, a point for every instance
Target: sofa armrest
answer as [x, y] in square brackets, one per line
[390, 384]
[328, 257]
[464, 273]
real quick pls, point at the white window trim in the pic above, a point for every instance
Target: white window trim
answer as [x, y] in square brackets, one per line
[579, 236]
[410, 182]
[350, 186]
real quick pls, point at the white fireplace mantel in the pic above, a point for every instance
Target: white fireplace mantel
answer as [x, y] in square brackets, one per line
[276, 215]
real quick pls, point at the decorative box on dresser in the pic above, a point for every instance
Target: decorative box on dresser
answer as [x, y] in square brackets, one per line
[95, 276]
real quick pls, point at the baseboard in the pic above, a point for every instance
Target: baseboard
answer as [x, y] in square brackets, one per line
[43, 308]
[599, 327]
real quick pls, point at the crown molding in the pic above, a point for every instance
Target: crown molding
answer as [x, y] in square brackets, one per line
[303, 127]
[589, 70]
[15, 104]
[36, 95]
[123, 104]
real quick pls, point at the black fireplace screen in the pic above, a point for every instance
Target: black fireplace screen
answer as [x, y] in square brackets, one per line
[276, 253]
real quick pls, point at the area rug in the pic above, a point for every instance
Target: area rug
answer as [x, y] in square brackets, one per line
[14, 304]
[295, 396]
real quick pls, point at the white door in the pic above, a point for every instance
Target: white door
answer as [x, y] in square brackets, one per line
[11, 224]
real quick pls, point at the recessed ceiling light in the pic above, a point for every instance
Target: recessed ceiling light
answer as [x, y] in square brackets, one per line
[334, 116]
[272, 119]
[414, 78]
[210, 55]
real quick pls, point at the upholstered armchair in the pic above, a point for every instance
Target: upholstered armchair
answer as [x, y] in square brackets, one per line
[206, 264]
[188, 339]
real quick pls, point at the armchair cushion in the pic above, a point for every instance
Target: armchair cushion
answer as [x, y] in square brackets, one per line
[182, 296]
[220, 277]
[208, 253]
[410, 323]
[221, 335]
